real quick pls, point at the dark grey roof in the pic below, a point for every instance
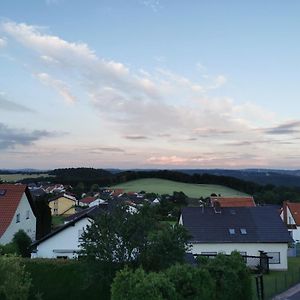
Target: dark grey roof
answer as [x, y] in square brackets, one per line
[262, 224]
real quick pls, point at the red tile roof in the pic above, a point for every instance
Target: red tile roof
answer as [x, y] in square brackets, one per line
[234, 201]
[87, 200]
[9, 202]
[295, 210]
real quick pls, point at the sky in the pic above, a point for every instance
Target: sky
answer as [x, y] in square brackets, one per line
[149, 84]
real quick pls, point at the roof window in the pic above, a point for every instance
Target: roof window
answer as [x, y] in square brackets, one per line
[231, 230]
[243, 231]
[2, 192]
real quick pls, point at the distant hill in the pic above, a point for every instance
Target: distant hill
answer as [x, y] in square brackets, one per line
[289, 178]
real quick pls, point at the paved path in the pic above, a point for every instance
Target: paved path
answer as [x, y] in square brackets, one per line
[291, 294]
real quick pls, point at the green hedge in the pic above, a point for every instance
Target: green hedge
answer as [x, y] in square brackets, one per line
[66, 279]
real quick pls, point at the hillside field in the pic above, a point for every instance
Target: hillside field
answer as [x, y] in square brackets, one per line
[162, 186]
[17, 177]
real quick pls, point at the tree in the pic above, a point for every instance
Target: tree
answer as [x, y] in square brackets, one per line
[165, 247]
[137, 239]
[79, 190]
[119, 236]
[137, 285]
[22, 242]
[43, 216]
[15, 282]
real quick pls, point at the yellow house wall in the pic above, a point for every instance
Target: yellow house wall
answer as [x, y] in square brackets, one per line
[62, 206]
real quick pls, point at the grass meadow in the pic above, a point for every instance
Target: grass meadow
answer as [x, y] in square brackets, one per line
[17, 177]
[163, 186]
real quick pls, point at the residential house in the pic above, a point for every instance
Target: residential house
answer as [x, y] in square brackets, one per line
[247, 230]
[16, 212]
[62, 205]
[246, 201]
[86, 201]
[290, 214]
[65, 241]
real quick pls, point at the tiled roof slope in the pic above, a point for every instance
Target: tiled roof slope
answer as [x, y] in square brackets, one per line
[87, 200]
[295, 210]
[262, 224]
[10, 196]
[234, 201]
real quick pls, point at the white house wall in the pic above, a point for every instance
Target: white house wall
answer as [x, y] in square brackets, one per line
[28, 225]
[64, 243]
[249, 248]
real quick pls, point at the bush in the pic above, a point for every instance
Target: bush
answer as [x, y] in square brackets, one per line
[137, 285]
[66, 279]
[15, 282]
[191, 283]
[22, 243]
[227, 271]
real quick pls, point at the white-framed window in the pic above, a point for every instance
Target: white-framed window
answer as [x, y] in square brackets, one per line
[18, 218]
[243, 231]
[275, 258]
[27, 214]
[231, 231]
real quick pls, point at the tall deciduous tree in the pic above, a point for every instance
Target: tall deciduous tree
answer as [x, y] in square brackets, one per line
[134, 238]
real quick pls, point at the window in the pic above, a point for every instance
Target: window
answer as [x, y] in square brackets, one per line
[275, 257]
[18, 218]
[2, 192]
[290, 220]
[243, 231]
[27, 214]
[231, 231]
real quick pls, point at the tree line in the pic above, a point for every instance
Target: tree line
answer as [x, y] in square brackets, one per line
[269, 194]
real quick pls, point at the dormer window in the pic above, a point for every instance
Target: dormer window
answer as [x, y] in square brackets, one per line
[18, 218]
[243, 231]
[231, 231]
[2, 192]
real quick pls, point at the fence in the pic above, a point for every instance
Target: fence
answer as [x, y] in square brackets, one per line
[275, 283]
[258, 264]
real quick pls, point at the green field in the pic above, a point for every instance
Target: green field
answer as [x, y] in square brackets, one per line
[17, 177]
[162, 186]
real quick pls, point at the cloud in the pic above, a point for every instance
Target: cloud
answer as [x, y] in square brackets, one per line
[136, 137]
[60, 86]
[154, 5]
[159, 105]
[12, 137]
[3, 42]
[290, 127]
[107, 149]
[8, 105]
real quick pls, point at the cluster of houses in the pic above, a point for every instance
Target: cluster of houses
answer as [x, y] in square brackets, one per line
[226, 224]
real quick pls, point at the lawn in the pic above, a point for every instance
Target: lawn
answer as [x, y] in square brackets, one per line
[57, 221]
[162, 186]
[17, 177]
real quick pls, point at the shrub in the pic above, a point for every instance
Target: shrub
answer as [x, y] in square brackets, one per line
[15, 282]
[22, 242]
[191, 283]
[137, 285]
[227, 271]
